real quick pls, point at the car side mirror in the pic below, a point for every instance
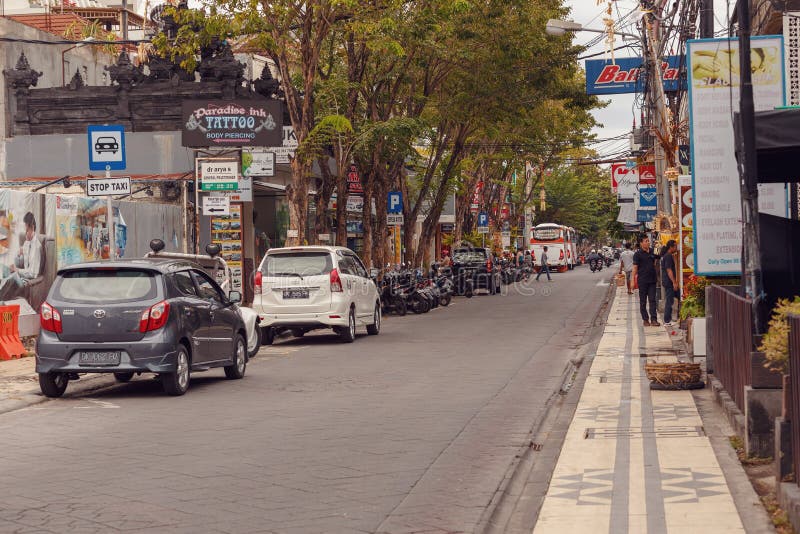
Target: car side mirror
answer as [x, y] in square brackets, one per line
[234, 297]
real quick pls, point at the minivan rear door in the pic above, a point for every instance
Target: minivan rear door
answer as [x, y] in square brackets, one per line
[296, 281]
[103, 304]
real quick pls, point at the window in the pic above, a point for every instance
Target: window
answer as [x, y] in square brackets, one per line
[359, 267]
[93, 286]
[294, 263]
[347, 265]
[183, 281]
[208, 289]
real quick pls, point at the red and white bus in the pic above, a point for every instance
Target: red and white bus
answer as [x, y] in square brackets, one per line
[560, 243]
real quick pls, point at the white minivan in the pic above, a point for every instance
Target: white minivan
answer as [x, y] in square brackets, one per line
[307, 288]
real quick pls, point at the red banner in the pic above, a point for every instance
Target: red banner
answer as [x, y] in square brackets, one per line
[354, 181]
[647, 174]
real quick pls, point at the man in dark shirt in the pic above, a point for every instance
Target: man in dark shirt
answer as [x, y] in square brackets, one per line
[668, 279]
[644, 267]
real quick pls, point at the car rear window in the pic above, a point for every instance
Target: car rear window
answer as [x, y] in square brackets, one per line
[469, 255]
[106, 285]
[294, 263]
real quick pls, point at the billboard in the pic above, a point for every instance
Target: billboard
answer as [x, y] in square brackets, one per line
[232, 123]
[713, 91]
[611, 77]
[624, 181]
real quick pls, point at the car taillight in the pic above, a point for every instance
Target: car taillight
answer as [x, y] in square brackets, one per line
[154, 317]
[561, 254]
[336, 282]
[257, 286]
[50, 319]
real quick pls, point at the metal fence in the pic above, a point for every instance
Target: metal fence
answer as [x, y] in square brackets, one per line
[732, 340]
[794, 391]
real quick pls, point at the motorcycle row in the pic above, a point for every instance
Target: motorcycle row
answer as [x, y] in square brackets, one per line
[405, 289]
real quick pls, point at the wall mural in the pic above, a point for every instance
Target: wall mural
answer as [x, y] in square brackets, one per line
[41, 233]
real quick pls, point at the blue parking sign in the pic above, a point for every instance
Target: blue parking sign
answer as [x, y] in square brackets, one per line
[483, 219]
[395, 202]
[106, 147]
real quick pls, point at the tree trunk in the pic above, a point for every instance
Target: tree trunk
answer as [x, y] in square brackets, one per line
[297, 195]
[366, 217]
[322, 199]
[379, 242]
[341, 211]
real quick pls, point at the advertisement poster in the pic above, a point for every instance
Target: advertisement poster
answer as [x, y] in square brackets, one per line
[686, 244]
[82, 230]
[27, 262]
[621, 75]
[624, 181]
[226, 231]
[713, 89]
[232, 123]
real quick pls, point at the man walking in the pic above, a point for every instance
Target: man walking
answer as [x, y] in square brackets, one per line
[626, 266]
[544, 268]
[668, 279]
[644, 269]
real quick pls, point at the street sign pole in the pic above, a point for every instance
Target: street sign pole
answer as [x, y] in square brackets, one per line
[112, 234]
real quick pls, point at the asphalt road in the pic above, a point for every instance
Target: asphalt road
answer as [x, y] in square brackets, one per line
[410, 431]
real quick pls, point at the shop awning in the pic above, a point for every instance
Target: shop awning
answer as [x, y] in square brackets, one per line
[777, 144]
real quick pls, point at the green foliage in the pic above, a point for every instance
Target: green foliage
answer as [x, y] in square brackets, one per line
[775, 343]
[691, 307]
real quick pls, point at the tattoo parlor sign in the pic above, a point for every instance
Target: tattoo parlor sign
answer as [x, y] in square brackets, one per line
[232, 123]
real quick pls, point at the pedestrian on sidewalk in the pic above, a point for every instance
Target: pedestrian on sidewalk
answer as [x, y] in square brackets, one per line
[626, 266]
[545, 268]
[644, 270]
[668, 280]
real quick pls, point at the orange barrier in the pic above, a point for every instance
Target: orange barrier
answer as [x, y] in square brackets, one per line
[10, 344]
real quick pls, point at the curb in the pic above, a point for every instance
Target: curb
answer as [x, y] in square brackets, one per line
[32, 397]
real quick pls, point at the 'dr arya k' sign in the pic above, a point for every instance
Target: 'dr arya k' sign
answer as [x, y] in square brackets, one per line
[256, 122]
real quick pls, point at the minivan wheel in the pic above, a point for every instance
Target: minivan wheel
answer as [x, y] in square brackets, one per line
[178, 382]
[53, 385]
[348, 333]
[257, 345]
[267, 335]
[123, 377]
[375, 328]
[236, 371]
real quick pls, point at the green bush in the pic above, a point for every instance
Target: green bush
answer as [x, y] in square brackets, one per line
[775, 343]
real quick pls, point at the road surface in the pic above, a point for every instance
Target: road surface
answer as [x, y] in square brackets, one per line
[410, 431]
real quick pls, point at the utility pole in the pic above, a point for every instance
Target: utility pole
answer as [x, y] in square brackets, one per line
[706, 19]
[748, 173]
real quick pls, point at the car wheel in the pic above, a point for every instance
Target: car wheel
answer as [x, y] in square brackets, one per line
[348, 333]
[257, 345]
[239, 366]
[53, 385]
[123, 377]
[177, 383]
[375, 328]
[267, 335]
[298, 332]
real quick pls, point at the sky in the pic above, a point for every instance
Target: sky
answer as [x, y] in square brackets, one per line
[617, 117]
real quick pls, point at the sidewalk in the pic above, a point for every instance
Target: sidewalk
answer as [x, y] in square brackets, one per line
[635, 460]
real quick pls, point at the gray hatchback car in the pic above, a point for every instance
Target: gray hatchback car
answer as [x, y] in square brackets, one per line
[160, 316]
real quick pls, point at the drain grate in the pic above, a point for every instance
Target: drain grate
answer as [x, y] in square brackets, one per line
[638, 432]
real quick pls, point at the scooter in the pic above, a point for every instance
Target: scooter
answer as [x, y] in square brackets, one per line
[595, 265]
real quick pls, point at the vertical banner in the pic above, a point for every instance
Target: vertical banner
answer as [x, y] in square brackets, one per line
[713, 98]
[686, 245]
[625, 181]
[226, 231]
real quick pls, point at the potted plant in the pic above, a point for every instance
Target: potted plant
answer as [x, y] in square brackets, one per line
[775, 343]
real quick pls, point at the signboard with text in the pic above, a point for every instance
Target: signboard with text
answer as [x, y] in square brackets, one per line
[624, 181]
[101, 187]
[218, 175]
[713, 90]
[217, 123]
[621, 75]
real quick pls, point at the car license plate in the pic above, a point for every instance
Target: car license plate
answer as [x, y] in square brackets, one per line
[295, 293]
[99, 358]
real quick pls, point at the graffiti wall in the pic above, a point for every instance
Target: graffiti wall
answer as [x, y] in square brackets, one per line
[41, 233]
